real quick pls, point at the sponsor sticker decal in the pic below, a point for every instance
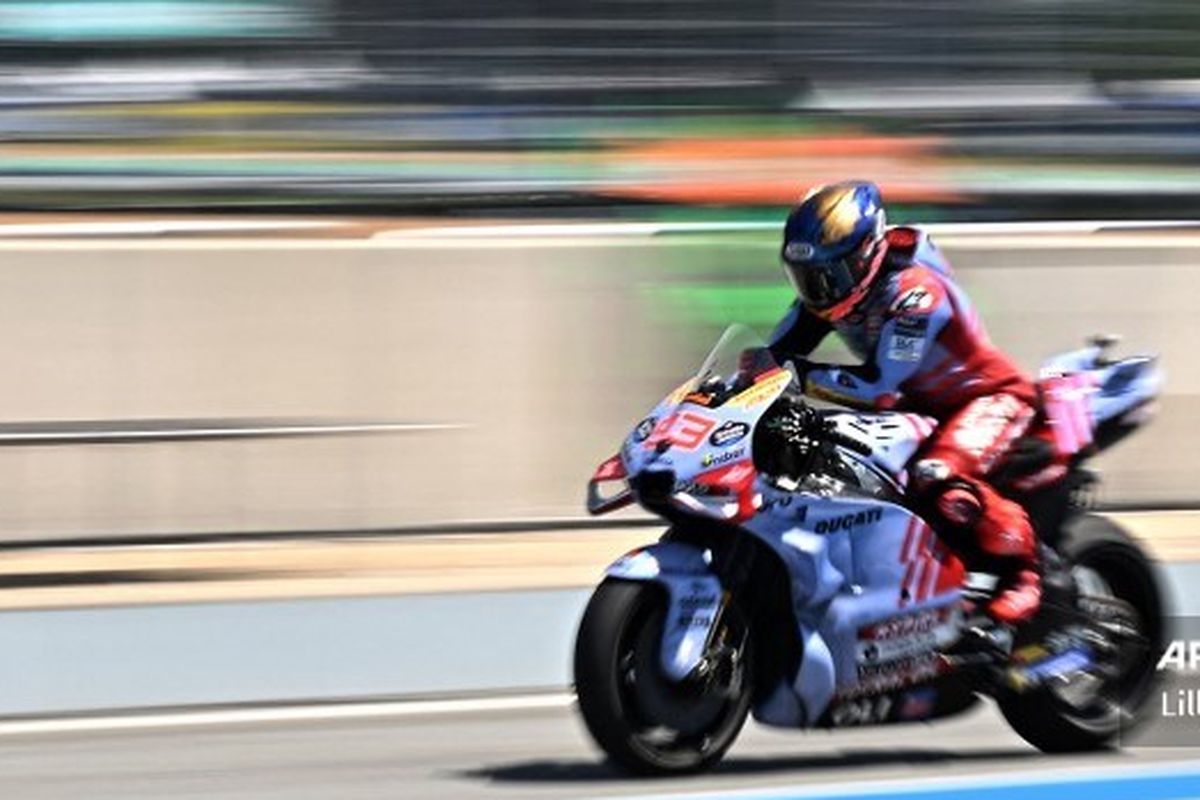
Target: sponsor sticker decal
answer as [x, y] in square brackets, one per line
[716, 459]
[878, 651]
[907, 624]
[915, 301]
[906, 348]
[847, 521]
[766, 390]
[861, 712]
[885, 675]
[798, 251]
[729, 433]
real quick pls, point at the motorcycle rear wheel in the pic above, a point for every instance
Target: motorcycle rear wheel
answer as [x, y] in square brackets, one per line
[644, 722]
[1115, 565]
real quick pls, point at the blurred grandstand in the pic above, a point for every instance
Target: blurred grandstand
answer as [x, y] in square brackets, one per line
[968, 110]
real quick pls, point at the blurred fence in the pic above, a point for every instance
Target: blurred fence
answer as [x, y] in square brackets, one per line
[757, 51]
[528, 360]
[1020, 109]
[657, 51]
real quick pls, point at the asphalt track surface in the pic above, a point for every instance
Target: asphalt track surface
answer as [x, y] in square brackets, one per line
[500, 754]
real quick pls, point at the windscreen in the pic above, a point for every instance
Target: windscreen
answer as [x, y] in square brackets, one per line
[737, 361]
[694, 451]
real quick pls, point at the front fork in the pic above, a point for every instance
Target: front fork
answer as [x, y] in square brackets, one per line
[721, 659]
[701, 587]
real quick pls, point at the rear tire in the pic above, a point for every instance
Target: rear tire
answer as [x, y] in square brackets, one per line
[644, 722]
[1041, 717]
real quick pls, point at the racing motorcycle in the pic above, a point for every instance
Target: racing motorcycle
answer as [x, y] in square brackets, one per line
[798, 581]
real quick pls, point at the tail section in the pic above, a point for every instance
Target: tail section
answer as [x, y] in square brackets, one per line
[1090, 398]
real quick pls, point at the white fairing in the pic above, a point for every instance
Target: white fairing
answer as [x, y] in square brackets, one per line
[874, 594]
[892, 436]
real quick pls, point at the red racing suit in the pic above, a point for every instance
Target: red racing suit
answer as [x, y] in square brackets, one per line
[924, 350]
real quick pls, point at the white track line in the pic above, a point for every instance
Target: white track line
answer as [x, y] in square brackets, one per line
[977, 236]
[214, 432]
[560, 229]
[1109, 241]
[606, 229]
[1053, 227]
[229, 244]
[1114, 241]
[297, 713]
[159, 227]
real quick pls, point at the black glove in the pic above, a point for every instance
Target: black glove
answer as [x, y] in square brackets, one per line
[791, 435]
[793, 419]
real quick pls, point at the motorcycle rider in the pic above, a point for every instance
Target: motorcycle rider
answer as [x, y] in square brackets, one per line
[889, 294]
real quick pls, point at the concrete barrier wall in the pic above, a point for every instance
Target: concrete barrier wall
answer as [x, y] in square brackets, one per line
[544, 351]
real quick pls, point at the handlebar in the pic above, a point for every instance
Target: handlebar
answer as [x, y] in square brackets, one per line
[797, 422]
[848, 442]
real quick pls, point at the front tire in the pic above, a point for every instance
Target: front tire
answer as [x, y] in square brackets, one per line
[646, 723]
[1109, 561]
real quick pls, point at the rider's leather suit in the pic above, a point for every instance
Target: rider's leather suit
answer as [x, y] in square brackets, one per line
[925, 350]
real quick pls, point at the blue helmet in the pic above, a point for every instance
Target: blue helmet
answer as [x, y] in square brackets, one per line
[833, 246]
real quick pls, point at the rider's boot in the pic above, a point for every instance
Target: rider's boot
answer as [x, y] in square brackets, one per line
[989, 634]
[1003, 539]
[985, 647]
[1018, 598]
[1004, 534]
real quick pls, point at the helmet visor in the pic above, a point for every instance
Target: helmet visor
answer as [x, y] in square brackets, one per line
[822, 284]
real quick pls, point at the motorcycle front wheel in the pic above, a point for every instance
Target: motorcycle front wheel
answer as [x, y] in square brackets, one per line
[645, 722]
